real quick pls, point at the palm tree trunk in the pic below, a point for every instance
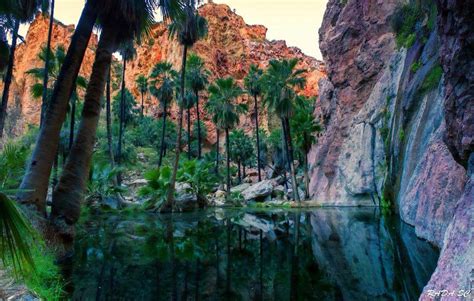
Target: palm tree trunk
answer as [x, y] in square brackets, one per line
[46, 64]
[189, 133]
[239, 173]
[34, 186]
[143, 103]
[163, 131]
[217, 151]
[108, 117]
[198, 124]
[168, 206]
[227, 147]
[72, 124]
[7, 81]
[69, 192]
[257, 133]
[291, 159]
[306, 176]
[122, 122]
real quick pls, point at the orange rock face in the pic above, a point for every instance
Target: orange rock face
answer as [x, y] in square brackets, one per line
[23, 109]
[229, 49]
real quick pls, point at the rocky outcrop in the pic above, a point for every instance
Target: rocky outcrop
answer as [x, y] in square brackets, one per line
[455, 24]
[229, 49]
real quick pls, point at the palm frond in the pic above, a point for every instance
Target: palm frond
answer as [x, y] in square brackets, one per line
[16, 236]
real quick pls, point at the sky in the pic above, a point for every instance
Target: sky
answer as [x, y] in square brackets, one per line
[296, 21]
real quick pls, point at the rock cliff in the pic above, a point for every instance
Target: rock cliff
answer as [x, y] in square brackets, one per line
[229, 49]
[23, 109]
[398, 122]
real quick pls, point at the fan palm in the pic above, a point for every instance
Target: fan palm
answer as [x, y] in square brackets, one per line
[188, 102]
[197, 79]
[51, 5]
[35, 182]
[280, 80]
[225, 113]
[162, 86]
[128, 52]
[188, 28]
[305, 128]
[142, 85]
[253, 84]
[15, 12]
[121, 21]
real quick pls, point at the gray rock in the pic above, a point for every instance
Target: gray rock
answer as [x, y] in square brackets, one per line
[239, 188]
[259, 190]
[186, 200]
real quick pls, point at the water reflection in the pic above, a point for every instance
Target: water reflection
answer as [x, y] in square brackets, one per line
[323, 254]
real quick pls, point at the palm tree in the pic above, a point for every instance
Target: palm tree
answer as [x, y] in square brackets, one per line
[221, 104]
[35, 182]
[47, 58]
[121, 21]
[34, 187]
[305, 128]
[17, 12]
[188, 102]
[280, 80]
[197, 79]
[254, 88]
[188, 27]
[162, 87]
[142, 85]
[128, 52]
[108, 120]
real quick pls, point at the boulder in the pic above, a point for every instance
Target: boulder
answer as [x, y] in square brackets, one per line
[258, 191]
[186, 200]
[239, 188]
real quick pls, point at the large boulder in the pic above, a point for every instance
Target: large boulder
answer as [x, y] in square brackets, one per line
[258, 191]
[186, 199]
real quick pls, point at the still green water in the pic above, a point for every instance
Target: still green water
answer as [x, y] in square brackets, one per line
[320, 254]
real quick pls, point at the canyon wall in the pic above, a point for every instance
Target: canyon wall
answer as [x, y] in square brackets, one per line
[23, 108]
[398, 124]
[229, 49]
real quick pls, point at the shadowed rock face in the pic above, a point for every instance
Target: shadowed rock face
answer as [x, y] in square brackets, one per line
[387, 137]
[455, 24]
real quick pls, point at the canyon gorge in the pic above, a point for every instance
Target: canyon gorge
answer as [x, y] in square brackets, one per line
[397, 116]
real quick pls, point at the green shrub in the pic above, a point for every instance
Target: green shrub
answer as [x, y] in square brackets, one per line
[401, 135]
[200, 175]
[415, 66]
[156, 190]
[432, 79]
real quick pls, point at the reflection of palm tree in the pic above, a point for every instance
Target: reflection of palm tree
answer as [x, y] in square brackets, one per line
[189, 27]
[225, 112]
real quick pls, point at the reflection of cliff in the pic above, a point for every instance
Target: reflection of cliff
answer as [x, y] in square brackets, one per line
[369, 257]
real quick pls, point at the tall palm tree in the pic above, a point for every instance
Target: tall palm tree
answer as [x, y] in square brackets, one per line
[162, 86]
[142, 85]
[280, 80]
[34, 187]
[188, 102]
[253, 84]
[305, 128]
[121, 21]
[188, 28]
[197, 79]
[128, 52]
[108, 120]
[35, 182]
[221, 104]
[47, 5]
[17, 12]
